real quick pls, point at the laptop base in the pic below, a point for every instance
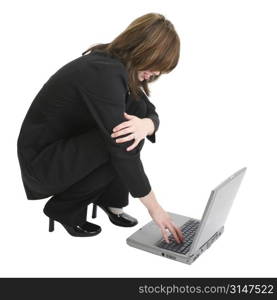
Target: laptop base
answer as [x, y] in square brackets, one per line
[147, 236]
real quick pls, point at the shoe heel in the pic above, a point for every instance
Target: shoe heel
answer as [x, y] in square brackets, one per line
[94, 211]
[51, 225]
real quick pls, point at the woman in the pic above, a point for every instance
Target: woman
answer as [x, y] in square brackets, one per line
[81, 138]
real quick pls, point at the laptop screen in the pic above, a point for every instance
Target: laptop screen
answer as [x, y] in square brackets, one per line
[217, 209]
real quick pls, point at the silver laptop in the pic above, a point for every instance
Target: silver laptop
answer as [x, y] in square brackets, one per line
[199, 235]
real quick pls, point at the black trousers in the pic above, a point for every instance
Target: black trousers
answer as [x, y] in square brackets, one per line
[84, 157]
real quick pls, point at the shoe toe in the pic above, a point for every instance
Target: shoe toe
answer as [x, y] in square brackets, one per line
[122, 219]
[127, 220]
[90, 227]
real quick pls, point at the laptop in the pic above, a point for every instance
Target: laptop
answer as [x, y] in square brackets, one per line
[199, 235]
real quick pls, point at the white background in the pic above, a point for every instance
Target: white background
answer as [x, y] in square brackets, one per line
[218, 114]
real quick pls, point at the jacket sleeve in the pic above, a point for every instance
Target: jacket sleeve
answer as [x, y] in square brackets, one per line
[105, 97]
[153, 115]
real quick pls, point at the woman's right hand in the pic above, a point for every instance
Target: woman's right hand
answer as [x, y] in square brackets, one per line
[161, 218]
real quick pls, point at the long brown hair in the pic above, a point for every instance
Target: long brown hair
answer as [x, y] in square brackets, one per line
[150, 42]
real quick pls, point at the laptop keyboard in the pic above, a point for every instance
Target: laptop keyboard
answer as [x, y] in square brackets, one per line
[188, 230]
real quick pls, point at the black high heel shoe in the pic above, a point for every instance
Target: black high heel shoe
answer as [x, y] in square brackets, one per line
[122, 219]
[85, 229]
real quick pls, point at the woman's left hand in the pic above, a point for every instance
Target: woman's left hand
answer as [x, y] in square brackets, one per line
[138, 128]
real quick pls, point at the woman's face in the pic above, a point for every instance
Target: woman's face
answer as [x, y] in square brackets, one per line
[145, 75]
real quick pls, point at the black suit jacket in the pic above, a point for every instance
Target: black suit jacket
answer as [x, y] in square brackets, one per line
[90, 91]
